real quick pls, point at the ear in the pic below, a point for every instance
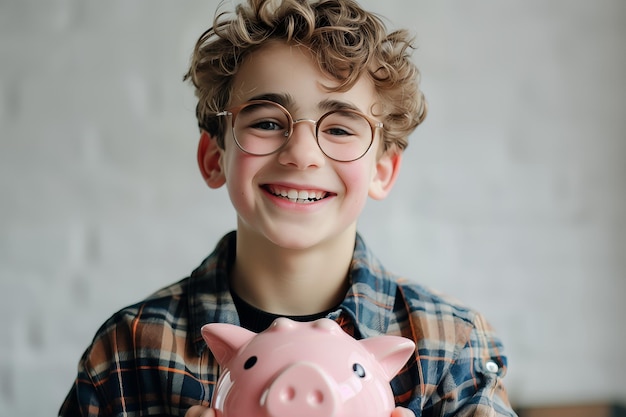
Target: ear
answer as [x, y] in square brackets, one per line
[386, 172]
[209, 160]
[391, 352]
[225, 340]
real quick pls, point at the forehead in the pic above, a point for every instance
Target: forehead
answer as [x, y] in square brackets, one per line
[289, 70]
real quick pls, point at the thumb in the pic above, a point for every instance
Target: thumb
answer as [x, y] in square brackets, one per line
[200, 411]
[402, 412]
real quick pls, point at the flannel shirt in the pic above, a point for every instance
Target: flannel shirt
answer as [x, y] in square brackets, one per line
[150, 358]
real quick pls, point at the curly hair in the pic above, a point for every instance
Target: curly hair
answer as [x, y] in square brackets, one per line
[346, 41]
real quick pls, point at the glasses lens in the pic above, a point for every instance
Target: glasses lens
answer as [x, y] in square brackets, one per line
[344, 135]
[261, 128]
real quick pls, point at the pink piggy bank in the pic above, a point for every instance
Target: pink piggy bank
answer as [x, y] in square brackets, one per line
[297, 369]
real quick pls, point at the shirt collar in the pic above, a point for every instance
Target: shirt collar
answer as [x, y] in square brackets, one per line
[209, 291]
[369, 301]
[371, 296]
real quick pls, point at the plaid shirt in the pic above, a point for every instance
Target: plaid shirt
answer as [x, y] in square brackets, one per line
[150, 358]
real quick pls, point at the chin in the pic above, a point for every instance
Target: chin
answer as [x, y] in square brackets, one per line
[297, 239]
[295, 243]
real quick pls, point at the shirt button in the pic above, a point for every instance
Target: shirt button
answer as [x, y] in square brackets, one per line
[492, 367]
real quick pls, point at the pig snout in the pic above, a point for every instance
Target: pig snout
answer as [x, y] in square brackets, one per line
[301, 390]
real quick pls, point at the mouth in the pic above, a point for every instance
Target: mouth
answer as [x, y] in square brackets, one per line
[295, 195]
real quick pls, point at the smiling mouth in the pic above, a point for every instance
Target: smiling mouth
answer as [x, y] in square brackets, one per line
[296, 196]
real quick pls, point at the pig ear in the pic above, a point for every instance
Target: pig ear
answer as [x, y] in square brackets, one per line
[391, 352]
[225, 340]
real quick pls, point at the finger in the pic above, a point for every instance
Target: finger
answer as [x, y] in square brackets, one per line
[402, 412]
[200, 411]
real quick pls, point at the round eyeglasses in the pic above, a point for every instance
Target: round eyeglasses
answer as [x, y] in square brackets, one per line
[262, 127]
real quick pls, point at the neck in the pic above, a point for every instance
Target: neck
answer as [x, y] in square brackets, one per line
[292, 281]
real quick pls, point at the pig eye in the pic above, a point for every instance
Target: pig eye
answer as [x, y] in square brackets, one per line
[250, 362]
[358, 370]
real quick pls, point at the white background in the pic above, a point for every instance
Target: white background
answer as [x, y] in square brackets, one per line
[512, 195]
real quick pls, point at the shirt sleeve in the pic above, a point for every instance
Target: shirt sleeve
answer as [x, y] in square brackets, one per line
[141, 362]
[83, 398]
[105, 383]
[472, 385]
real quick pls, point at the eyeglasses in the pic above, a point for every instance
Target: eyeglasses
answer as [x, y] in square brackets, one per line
[262, 127]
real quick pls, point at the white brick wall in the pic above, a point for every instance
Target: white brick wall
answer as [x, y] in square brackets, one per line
[512, 195]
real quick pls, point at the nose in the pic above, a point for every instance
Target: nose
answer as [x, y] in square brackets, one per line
[301, 390]
[302, 150]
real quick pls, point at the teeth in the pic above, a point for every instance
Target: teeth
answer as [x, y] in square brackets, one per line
[299, 196]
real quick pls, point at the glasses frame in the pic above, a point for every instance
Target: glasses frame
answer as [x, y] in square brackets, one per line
[234, 111]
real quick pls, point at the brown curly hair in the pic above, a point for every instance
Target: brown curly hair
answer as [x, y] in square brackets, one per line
[347, 42]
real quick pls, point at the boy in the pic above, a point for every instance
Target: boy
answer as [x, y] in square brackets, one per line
[304, 109]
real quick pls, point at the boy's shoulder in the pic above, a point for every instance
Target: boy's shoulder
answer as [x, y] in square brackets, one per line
[172, 291]
[166, 304]
[446, 324]
[201, 297]
[416, 299]
[419, 298]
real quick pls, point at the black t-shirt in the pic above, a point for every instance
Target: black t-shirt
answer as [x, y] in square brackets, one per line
[256, 320]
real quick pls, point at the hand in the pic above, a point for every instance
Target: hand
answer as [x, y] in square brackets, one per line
[402, 412]
[200, 411]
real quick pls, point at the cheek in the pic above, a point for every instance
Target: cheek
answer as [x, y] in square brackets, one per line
[239, 171]
[357, 177]
[361, 173]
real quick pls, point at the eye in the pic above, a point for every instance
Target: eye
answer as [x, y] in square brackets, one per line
[267, 125]
[343, 126]
[250, 362]
[337, 131]
[358, 370]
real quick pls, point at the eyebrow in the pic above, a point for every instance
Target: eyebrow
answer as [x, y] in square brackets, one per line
[288, 102]
[285, 100]
[328, 105]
